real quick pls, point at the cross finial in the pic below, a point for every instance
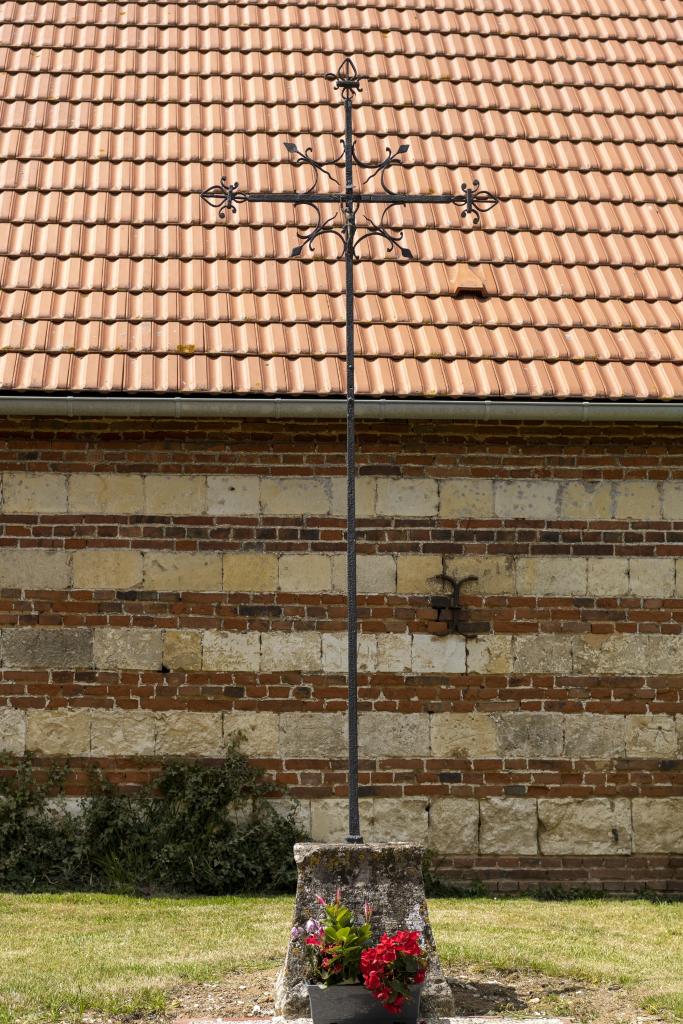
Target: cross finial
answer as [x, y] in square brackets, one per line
[347, 79]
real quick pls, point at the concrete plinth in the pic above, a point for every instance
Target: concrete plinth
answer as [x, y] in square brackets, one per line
[389, 877]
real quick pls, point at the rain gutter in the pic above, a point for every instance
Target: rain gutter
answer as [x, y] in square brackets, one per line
[130, 406]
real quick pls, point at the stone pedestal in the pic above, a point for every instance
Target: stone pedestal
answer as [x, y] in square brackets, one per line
[389, 877]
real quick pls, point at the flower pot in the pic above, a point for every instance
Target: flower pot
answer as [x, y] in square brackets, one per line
[354, 1004]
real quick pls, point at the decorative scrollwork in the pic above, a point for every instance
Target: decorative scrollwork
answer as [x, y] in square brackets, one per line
[318, 166]
[393, 236]
[224, 197]
[347, 79]
[475, 200]
[321, 227]
[382, 166]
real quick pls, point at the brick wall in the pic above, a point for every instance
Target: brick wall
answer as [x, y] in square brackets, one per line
[164, 585]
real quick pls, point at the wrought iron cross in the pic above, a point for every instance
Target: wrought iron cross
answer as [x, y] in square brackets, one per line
[473, 201]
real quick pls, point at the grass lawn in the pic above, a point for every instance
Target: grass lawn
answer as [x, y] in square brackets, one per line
[61, 956]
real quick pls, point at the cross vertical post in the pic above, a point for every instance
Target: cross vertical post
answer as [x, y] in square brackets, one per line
[225, 197]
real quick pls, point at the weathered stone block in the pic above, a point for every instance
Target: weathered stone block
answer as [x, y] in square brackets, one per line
[251, 572]
[122, 733]
[121, 649]
[454, 825]
[439, 655]
[652, 577]
[595, 826]
[651, 736]
[108, 494]
[552, 575]
[377, 652]
[470, 735]
[398, 820]
[286, 652]
[376, 574]
[231, 651]
[637, 499]
[658, 824]
[531, 734]
[366, 496]
[191, 733]
[47, 647]
[404, 498]
[490, 654]
[672, 500]
[663, 655]
[543, 653]
[608, 577]
[175, 494]
[182, 649]
[495, 573]
[34, 492]
[526, 499]
[107, 569]
[34, 569]
[330, 819]
[12, 731]
[508, 825]
[305, 574]
[585, 499]
[260, 730]
[237, 495]
[414, 574]
[312, 734]
[614, 654]
[392, 734]
[594, 736]
[58, 731]
[466, 498]
[193, 571]
[295, 495]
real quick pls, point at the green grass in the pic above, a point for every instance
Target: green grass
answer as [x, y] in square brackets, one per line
[64, 955]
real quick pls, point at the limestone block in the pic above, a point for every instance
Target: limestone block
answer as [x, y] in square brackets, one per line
[188, 571]
[637, 499]
[393, 652]
[108, 494]
[595, 826]
[438, 655]
[175, 494]
[454, 825]
[608, 576]
[305, 573]
[107, 569]
[401, 499]
[286, 652]
[672, 500]
[658, 824]
[495, 573]
[392, 734]
[312, 734]
[612, 654]
[58, 731]
[531, 734]
[526, 499]
[366, 496]
[594, 736]
[34, 569]
[652, 577]
[543, 653]
[182, 649]
[489, 654]
[466, 498]
[470, 735]
[259, 729]
[300, 809]
[122, 733]
[12, 731]
[330, 819]
[651, 736]
[414, 574]
[552, 575]
[191, 733]
[228, 651]
[121, 649]
[376, 574]
[34, 492]
[295, 496]
[250, 572]
[397, 820]
[508, 825]
[47, 647]
[237, 495]
[663, 654]
[586, 499]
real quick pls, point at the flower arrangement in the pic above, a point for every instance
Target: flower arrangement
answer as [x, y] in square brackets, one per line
[342, 952]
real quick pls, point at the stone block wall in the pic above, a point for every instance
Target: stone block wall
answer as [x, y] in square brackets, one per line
[164, 585]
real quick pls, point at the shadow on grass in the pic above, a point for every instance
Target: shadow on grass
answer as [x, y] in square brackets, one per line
[479, 998]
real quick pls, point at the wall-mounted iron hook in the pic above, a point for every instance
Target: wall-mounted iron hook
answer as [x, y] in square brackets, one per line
[450, 611]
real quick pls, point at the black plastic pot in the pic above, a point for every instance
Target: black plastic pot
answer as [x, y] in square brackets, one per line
[354, 1004]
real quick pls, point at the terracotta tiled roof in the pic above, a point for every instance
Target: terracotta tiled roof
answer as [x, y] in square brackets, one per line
[115, 277]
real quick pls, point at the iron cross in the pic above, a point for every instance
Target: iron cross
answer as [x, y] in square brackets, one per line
[473, 201]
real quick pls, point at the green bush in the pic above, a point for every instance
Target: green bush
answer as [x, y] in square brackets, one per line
[201, 828]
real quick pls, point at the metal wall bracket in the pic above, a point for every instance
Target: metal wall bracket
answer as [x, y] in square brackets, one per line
[450, 611]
